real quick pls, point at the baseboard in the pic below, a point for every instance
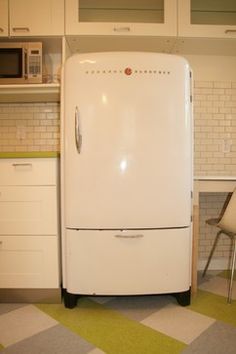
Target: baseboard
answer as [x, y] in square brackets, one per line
[50, 296]
[216, 264]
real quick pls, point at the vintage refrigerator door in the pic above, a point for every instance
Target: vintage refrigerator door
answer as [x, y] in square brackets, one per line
[131, 164]
[133, 262]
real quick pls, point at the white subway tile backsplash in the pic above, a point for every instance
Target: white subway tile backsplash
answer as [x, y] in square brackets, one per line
[222, 84]
[29, 127]
[203, 84]
[214, 116]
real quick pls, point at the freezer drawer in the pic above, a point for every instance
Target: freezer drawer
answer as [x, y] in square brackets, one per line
[130, 262]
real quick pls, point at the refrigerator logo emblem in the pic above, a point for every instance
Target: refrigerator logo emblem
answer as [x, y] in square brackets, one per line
[128, 71]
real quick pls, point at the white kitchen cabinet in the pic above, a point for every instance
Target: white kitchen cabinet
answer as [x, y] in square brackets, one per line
[36, 18]
[207, 18]
[3, 18]
[28, 210]
[121, 17]
[29, 234]
[28, 262]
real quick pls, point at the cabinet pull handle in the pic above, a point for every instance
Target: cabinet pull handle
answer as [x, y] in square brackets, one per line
[121, 29]
[228, 31]
[22, 164]
[20, 29]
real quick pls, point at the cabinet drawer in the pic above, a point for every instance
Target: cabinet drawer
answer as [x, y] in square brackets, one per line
[29, 262]
[28, 210]
[21, 172]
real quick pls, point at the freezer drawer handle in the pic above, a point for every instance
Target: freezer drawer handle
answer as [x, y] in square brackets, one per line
[129, 236]
[78, 136]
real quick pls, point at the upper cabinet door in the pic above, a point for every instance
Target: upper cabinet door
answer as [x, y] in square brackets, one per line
[207, 18]
[36, 18]
[121, 17]
[3, 18]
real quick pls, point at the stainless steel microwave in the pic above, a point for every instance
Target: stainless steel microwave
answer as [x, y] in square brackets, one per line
[20, 63]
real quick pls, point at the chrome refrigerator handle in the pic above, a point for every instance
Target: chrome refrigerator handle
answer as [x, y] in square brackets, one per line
[78, 136]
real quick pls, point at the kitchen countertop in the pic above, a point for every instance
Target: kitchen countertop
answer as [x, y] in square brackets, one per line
[28, 154]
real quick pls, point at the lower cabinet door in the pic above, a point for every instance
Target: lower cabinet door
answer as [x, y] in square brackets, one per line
[28, 210]
[29, 262]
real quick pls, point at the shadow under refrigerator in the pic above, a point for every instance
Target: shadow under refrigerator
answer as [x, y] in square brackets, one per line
[126, 175]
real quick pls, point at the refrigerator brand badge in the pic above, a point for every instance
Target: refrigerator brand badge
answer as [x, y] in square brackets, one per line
[128, 71]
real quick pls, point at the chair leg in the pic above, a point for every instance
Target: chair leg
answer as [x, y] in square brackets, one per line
[212, 252]
[232, 271]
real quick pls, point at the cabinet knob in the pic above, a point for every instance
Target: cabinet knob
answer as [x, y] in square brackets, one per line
[1, 30]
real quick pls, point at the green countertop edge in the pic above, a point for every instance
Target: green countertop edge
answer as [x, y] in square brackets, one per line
[33, 154]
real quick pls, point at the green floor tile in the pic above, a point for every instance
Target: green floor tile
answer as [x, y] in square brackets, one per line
[214, 306]
[226, 274]
[110, 331]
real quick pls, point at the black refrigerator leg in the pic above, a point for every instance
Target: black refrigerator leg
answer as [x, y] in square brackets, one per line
[183, 298]
[70, 300]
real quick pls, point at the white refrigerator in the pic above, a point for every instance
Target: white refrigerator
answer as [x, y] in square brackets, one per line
[126, 169]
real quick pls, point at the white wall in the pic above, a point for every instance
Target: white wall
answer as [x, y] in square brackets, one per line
[213, 68]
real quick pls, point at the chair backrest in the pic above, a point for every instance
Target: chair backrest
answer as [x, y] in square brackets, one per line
[228, 220]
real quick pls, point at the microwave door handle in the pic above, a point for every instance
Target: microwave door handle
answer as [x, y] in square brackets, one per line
[78, 135]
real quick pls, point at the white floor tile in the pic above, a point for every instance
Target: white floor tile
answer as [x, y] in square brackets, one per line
[178, 322]
[96, 351]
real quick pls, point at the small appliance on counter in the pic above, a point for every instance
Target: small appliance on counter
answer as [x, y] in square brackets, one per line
[20, 62]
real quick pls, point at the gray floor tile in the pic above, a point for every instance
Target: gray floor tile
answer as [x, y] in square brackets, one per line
[23, 323]
[138, 308]
[220, 338]
[56, 340]
[4, 308]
